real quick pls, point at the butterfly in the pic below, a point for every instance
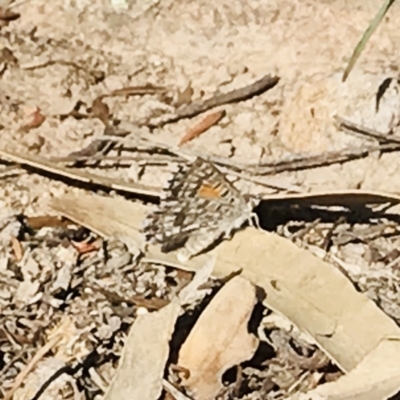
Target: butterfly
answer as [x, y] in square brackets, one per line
[200, 208]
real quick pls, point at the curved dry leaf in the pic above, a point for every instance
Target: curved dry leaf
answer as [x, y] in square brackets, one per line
[220, 339]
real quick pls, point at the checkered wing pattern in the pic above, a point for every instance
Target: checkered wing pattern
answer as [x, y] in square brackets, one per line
[200, 207]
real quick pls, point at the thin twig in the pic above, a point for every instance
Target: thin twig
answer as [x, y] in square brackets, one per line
[320, 160]
[184, 154]
[352, 127]
[137, 90]
[250, 178]
[200, 106]
[11, 170]
[12, 361]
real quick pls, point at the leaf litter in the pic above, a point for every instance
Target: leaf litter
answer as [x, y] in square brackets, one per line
[85, 309]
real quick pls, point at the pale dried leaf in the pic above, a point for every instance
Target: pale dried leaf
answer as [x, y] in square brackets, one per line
[220, 339]
[30, 269]
[63, 278]
[141, 367]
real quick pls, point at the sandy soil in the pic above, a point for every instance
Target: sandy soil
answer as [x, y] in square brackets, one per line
[59, 53]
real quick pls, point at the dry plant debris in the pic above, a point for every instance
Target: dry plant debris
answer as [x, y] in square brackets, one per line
[306, 284]
[94, 98]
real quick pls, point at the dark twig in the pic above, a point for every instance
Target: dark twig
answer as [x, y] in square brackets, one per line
[351, 127]
[7, 15]
[200, 106]
[320, 160]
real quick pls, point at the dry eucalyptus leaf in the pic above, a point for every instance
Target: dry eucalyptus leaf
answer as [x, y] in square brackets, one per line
[42, 164]
[220, 339]
[141, 368]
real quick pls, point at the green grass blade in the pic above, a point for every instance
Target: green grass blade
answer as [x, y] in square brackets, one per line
[367, 34]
